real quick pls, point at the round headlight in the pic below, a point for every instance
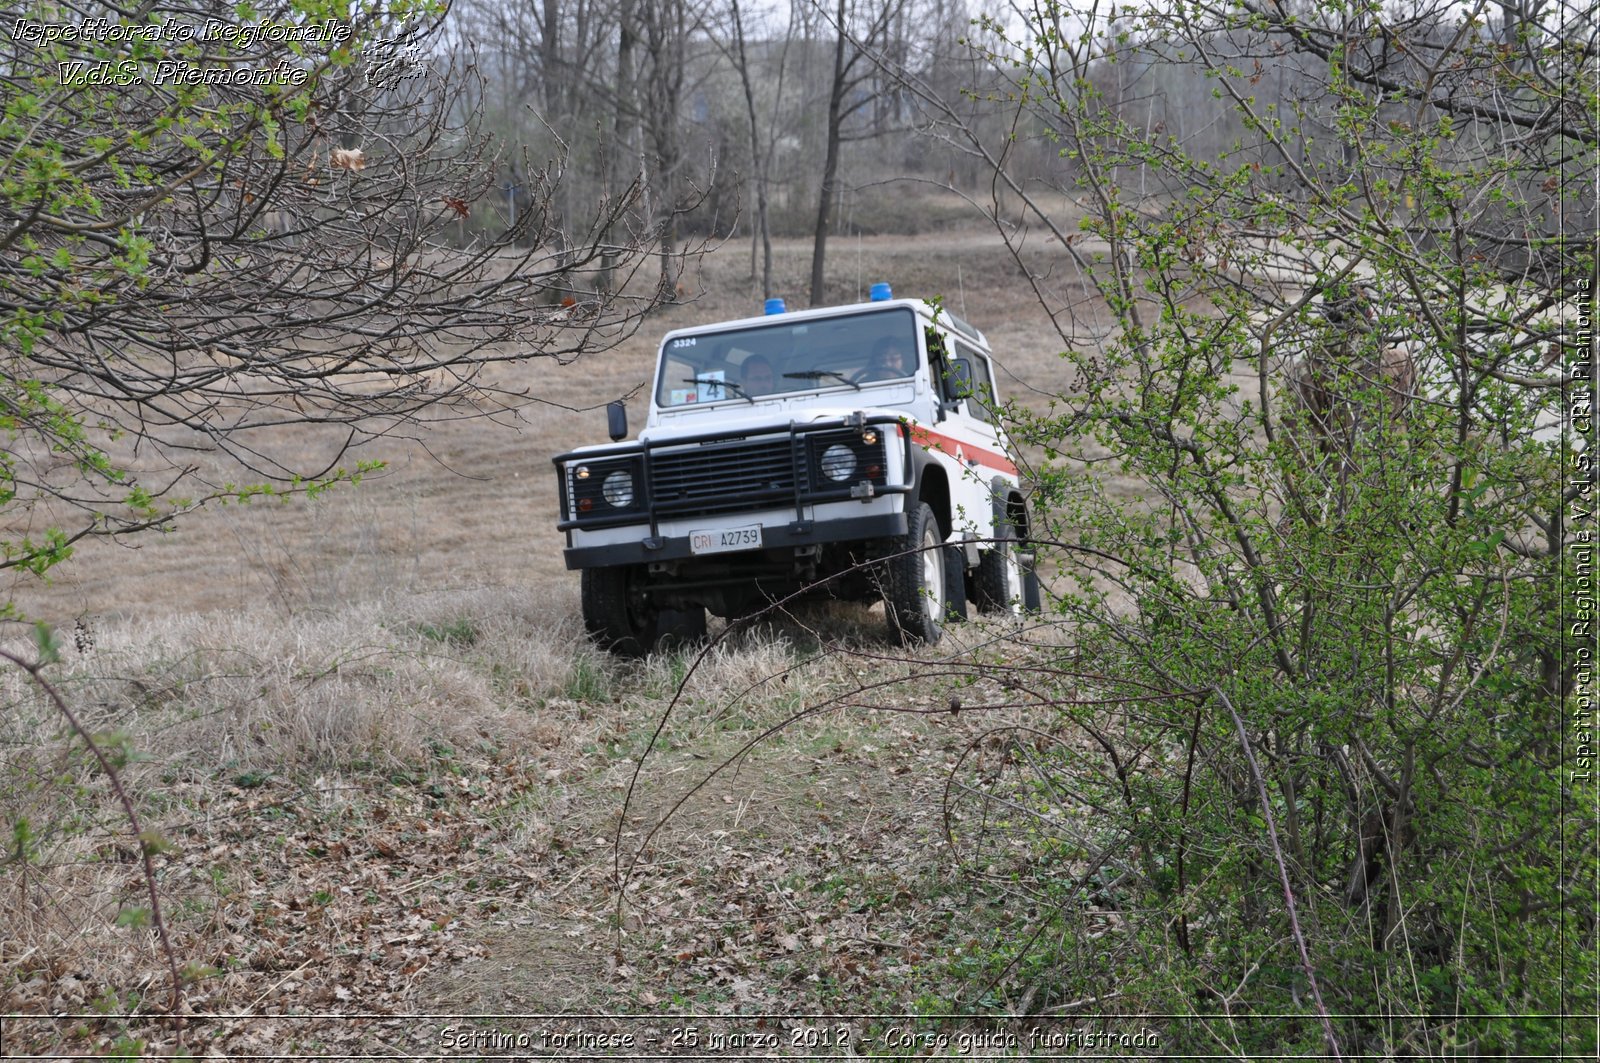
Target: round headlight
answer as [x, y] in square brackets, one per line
[838, 462]
[618, 488]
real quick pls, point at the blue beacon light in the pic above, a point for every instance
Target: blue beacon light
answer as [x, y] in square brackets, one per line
[881, 292]
[775, 306]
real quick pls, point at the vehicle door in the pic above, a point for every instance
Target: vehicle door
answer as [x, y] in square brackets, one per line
[967, 432]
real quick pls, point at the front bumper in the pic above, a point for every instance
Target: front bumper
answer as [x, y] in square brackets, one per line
[775, 536]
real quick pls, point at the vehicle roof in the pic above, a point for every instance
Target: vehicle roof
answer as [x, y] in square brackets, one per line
[920, 307]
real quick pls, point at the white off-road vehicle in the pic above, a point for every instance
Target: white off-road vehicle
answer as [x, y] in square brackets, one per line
[853, 450]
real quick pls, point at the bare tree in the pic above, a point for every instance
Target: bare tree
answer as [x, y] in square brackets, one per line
[860, 30]
[234, 237]
[549, 69]
[664, 33]
[762, 230]
[761, 66]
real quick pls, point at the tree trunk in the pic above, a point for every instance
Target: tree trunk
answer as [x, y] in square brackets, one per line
[830, 164]
[619, 166]
[762, 231]
[549, 67]
[666, 28]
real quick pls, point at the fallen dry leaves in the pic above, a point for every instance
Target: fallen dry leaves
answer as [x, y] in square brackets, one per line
[811, 876]
[320, 899]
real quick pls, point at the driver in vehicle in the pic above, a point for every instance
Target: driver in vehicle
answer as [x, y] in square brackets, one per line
[756, 376]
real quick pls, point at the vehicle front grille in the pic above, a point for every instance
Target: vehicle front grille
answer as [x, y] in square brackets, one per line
[724, 477]
[741, 474]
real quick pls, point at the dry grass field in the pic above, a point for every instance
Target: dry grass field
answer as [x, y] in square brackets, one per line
[470, 503]
[396, 779]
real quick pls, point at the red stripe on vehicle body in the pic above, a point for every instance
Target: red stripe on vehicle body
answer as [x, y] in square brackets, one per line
[989, 459]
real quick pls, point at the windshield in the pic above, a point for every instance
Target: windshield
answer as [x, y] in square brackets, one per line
[743, 365]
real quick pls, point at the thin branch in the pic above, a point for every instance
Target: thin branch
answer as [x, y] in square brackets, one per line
[1283, 874]
[35, 670]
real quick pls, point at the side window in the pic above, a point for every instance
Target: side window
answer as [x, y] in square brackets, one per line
[978, 389]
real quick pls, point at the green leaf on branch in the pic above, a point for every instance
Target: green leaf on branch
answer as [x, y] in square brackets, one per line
[133, 918]
[47, 643]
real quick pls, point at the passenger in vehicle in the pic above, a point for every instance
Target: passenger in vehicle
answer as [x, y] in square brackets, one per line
[890, 361]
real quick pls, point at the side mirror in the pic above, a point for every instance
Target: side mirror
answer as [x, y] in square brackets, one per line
[958, 381]
[617, 420]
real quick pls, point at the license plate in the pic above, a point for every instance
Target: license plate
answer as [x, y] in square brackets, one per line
[725, 539]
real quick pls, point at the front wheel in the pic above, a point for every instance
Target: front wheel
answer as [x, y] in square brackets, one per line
[621, 617]
[914, 594]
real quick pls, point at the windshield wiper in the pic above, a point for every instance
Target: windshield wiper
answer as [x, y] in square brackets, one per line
[818, 374]
[730, 385]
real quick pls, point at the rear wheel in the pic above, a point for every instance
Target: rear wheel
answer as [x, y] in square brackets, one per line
[1002, 581]
[621, 617]
[914, 592]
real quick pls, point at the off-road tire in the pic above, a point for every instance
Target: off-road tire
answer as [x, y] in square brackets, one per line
[621, 619]
[914, 587]
[1002, 583]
